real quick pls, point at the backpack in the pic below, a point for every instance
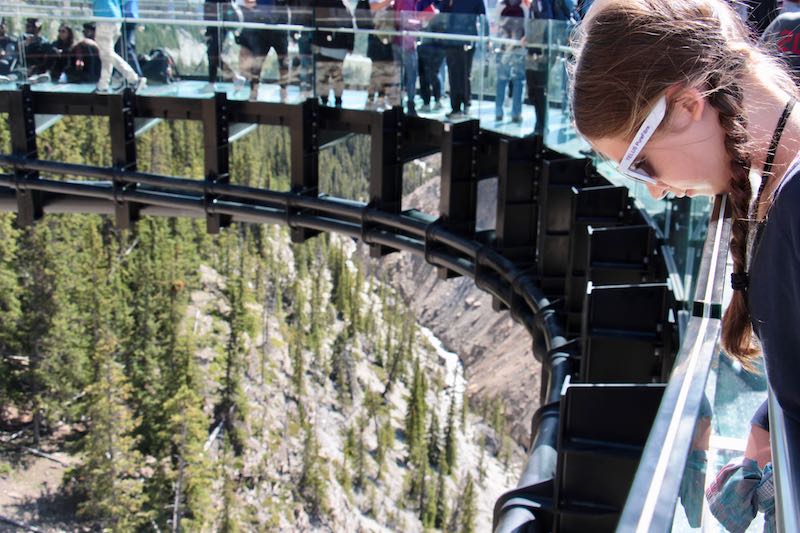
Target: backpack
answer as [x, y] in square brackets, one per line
[512, 8]
[159, 66]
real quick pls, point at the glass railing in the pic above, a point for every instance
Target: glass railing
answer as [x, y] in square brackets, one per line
[508, 73]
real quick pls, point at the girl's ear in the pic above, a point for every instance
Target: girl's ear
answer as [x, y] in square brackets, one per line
[686, 106]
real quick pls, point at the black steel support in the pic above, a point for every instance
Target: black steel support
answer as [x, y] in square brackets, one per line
[217, 170]
[23, 144]
[517, 210]
[458, 199]
[304, 159]
[123, 153]
[386, 168]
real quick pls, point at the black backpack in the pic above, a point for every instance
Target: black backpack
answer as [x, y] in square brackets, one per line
[158, 66]
[512, 8]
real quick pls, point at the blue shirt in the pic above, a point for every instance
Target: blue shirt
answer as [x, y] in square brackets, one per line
[774, 296]
[107, 8]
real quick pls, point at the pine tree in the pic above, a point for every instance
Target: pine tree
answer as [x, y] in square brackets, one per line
[415, 417]
[312, 487]
[450, 436]
[113, 485]
[441, 501]
[464, 410]
[468, 510]
[434, 449]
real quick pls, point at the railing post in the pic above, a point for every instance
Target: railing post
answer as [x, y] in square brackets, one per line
[216, 153]
[303, 129]
[123, 153]
[21, 119]
[517, 209]
[459, 192]
[386, 168]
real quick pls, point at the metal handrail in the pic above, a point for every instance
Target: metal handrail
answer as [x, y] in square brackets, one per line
[785, 463]
[651, 501]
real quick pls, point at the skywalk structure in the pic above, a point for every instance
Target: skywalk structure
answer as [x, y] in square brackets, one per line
[622, 295]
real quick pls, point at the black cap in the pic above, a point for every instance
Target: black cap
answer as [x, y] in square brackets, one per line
[33, 22]
[89, 26]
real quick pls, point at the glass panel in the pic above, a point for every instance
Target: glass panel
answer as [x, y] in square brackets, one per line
[723, 428]
[504, 81]
[431, 55]
[332, 42]
[14, 39]
[558, 123]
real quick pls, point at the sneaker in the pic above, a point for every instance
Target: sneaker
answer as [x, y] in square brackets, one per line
[253, 92]
[39, 78]
[140, 85]
[62, 78]
[517, 119]
[338, 101]
[209, 87]
[456, 115]
[425, 108]
[284, 94]
[412, 111]
[324, 100]
[238, 82]
[5, 79]
[437, 106]
[102, 90]
[498, 118]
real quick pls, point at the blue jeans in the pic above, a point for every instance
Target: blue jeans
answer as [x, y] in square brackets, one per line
[410, 67]
[510, 67]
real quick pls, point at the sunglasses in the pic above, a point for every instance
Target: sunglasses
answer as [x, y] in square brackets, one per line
[630, 166]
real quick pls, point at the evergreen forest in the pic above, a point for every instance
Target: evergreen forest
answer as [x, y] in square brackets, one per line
[231, 382]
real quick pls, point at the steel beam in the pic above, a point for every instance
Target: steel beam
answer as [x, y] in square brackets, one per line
[22, 123]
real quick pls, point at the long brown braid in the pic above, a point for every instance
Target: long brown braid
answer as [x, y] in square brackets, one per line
[629, 52]
[737, 330]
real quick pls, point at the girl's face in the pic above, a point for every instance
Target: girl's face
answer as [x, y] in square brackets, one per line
[686, 154]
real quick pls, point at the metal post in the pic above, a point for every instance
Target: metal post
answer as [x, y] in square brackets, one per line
[459, 193]
[217, 169]
[30, 205]
[123, 153]
[386, 168]
[303, 128]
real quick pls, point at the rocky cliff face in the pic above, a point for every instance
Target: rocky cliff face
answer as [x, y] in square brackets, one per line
[496, 352]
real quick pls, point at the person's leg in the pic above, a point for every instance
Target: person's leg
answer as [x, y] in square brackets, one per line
[516, 99]
[423, 62]
[126, 46]
[323, 88]
[105, 36]
[337, 75]
[410, 66]
[436, 67]
[391, 83]
[469, 55]
[500, 96]
[212, 52]
[280, 42]
[537, 93]
[458, 77]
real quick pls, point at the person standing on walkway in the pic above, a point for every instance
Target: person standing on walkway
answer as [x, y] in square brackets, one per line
[126, 45]
[106, 35]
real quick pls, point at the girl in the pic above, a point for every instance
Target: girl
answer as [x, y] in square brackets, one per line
[678, 94]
